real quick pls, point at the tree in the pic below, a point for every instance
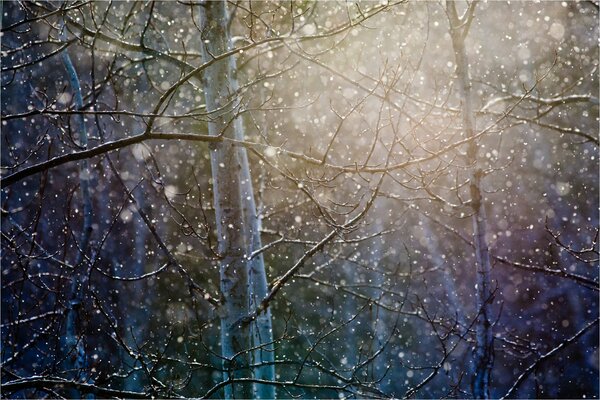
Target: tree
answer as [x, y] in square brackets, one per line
[243, 277]
[305, 199]
[459, 28]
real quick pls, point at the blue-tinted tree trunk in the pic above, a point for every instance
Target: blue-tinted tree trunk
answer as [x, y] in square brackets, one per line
[226, 169]
[72, 342]
[261, 327]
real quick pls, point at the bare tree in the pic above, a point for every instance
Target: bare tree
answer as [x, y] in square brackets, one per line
[301, 199]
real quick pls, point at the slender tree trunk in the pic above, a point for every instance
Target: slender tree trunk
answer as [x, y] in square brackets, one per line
[226, 166]
[72, 341]
[261, 328]
[483, 354]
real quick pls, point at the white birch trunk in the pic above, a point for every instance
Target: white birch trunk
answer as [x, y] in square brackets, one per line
[483, 353]
[227, 178]
[261, 328]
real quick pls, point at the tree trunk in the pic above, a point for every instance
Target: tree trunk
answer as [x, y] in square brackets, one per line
[483, 353]
[227, 176]
[262, 327]
[72, 341]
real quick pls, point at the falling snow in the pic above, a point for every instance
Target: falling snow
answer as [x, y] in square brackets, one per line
[301, 199]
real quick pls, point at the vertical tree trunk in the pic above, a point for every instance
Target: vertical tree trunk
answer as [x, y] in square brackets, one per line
[72, 342]
[483, 354]
[262, 330]
[262, 327]
[227, 179]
